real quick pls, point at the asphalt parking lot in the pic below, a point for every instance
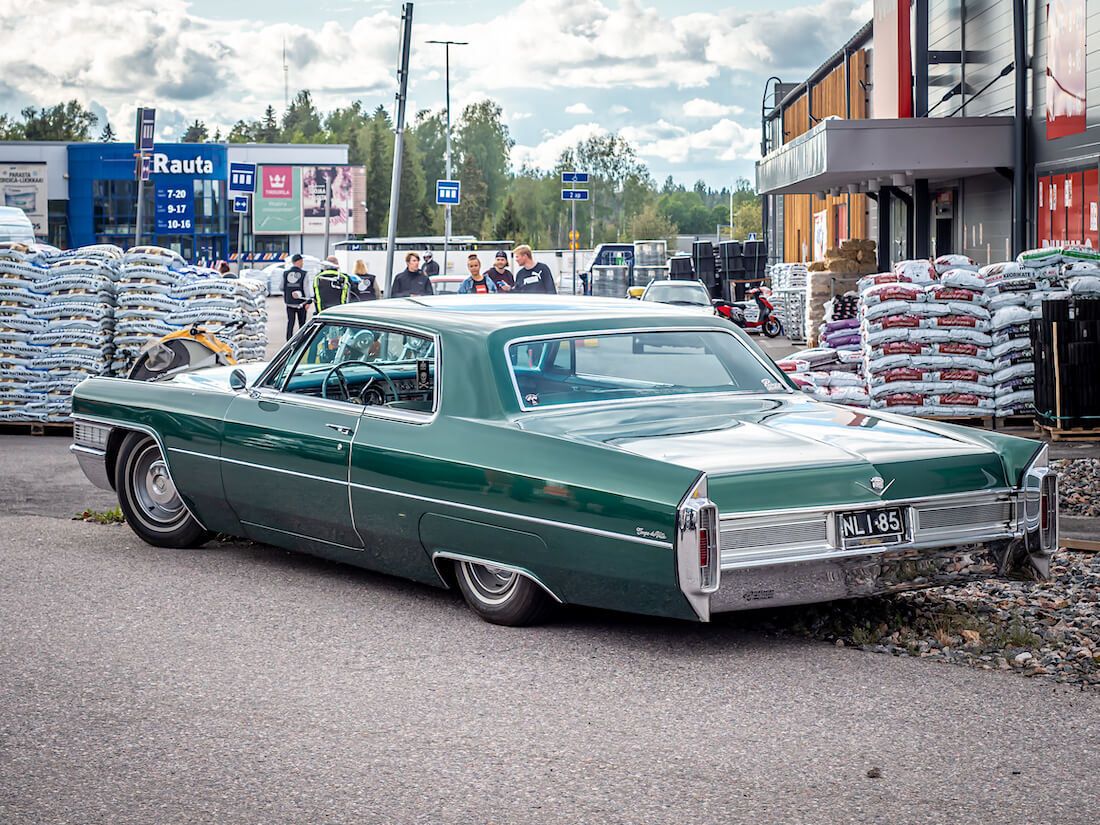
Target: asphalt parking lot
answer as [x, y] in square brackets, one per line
[241, 683]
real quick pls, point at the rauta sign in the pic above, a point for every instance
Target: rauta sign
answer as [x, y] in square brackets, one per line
[190, 166]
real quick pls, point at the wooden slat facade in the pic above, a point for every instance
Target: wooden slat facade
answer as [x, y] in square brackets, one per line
[798, 210]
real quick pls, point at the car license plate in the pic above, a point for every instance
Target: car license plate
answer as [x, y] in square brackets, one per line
[885, 525]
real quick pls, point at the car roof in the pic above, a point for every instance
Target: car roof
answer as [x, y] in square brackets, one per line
[487, 314]
[677, 282]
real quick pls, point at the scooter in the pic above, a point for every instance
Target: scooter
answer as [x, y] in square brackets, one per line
[757, 313]
[182, 351]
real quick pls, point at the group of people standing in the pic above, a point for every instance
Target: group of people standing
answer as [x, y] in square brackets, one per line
[331, 287]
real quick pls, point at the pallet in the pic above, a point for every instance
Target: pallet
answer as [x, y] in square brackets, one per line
[1084, 545]
[1060, 434]
[36, 428]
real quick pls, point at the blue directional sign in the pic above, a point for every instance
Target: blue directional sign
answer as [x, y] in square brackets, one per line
[242, 177]
[175, 208]
[574, 177]
[240, 203]
[446, 192]
[146, 127]
[574, 194]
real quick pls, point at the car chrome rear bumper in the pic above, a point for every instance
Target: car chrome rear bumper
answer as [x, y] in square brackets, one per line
[872, 574]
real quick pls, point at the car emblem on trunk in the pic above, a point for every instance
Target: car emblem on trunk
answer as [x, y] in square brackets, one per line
[878, 486]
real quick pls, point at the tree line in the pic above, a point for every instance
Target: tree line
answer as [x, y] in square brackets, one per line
[498, 202]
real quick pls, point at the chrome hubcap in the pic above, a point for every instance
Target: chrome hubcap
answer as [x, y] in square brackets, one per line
[491, 584]
[154, 492]
[161, 489]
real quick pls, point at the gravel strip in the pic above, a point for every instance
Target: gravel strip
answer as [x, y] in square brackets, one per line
[1046, 629]
[1078, 486]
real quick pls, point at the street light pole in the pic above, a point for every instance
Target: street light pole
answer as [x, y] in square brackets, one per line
[447, 209]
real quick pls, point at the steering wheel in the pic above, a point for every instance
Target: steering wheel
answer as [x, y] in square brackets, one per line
[337, 369]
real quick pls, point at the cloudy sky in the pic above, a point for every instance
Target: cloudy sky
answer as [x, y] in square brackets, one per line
[681, 79]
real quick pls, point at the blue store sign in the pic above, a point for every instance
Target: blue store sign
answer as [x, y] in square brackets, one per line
[175, 205]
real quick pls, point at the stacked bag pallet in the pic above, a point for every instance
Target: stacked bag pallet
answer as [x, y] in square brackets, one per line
[789, 293]
[56, 319]
[836, 275]
[840, 328]
[926, 342]
[70, 315]
[828, 375]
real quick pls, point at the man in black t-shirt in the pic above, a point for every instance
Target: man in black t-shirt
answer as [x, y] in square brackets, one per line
[294, 295]
[532, 277]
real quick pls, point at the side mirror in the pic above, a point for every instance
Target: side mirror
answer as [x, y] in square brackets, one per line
[238, 380]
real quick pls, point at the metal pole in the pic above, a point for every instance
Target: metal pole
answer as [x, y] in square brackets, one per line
[573, 243]
[399, 138]
[240, 241]
[328, 207]
[446, 44]
[140, 198]
[1019, 167]
[447, 208]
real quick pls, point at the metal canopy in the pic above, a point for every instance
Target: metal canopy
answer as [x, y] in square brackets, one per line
[843, 153]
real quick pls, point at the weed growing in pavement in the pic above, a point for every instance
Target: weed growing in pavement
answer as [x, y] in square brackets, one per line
[1016, 635]
[101, 516]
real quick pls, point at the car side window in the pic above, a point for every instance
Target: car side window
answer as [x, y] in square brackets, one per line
[364, 364]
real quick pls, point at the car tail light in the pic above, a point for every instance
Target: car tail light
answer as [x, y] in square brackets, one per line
[698, 557]
[1048, 507]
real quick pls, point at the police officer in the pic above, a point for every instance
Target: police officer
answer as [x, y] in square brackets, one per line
[331, 287]
[294, 295]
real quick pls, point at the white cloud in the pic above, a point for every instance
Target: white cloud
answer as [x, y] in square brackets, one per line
[545, 154]
[578, 109]
[726, 141]
[619, 109]
[516, 116]
[699, 107]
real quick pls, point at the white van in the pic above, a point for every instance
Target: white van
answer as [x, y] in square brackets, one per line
[15, 225]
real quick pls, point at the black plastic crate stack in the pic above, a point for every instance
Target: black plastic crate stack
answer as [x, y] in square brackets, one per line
[702, 258]
[756, 259]
[680, 267]
[1066, 345]
[731, 270]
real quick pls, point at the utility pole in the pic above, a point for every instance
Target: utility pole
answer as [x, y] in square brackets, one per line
[447, 209]
[399, 137]
[286, 79]
[328, 207]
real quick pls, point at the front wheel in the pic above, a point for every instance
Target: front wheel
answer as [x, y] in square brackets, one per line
[772, 328]
[149, 499]
[502, 596]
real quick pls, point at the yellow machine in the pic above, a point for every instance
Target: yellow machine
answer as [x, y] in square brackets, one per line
[188, 349]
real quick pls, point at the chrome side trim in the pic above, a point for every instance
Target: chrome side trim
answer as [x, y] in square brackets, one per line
[550, 336]
[269, 467]
[664, 545]
[522, 571]
[149, 431]
[300, 536]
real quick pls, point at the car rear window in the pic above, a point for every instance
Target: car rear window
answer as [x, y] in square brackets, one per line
[606, 366]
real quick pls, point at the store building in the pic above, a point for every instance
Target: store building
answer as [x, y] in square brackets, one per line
[921, 134]
[85, 193]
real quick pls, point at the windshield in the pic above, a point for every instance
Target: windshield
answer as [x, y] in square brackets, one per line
[692, 294]
[571, 370]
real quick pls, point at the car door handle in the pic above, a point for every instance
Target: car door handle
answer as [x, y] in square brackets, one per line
[340, 428]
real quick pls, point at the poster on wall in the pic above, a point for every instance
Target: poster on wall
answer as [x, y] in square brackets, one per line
[1065, 68]
[277, 207]
[23, 185]
[313, 200]
[821, 234]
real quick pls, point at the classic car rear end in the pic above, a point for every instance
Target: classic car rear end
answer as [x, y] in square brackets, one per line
[561, 450]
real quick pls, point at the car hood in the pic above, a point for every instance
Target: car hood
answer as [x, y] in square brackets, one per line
[217, 378]
[768, 452]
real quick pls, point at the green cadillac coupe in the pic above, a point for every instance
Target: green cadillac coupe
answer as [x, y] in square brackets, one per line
[536, 451]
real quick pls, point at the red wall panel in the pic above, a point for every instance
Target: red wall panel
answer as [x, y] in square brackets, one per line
[1074, 213]
[1089, 196]
[1042, 212]
[1058, 209]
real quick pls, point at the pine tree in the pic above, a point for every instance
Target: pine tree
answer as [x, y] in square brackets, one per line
[468, 216]
[268, 131]
[108, 135]
[508, 226]
[196, 133]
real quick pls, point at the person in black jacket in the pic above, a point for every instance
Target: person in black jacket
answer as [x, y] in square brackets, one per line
[294, 295]
[412, 282]
[431, 268]
[532, 277]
